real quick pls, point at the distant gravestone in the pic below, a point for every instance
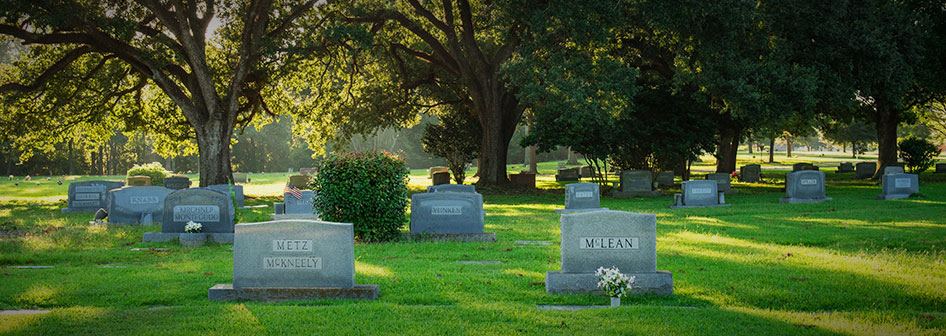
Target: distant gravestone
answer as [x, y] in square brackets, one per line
[625, 240]
[940, 168]
[449, 216]
[582, 197]
[699, 193]
[240, 178]
[805, 186]
[896, 186]
[561, 165]
[297, 208]
[751, 173]
[587, 172]
[139, 181]
[307, 171]
[803, 166]
[523, 178]
[300, 181]
[864, 170]
[846, 167]
[440, 178]
[89, 196]
[293, 260]
[567, 174]
[177, 182]
[636, 183]
[437, 169]
[664, 179]
[134, 205]
[723, 181]
[212, 208]
[465, 188]
[237, 192]
[893, 170]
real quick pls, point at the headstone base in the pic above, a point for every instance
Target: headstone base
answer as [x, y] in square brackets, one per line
[558, 282]
[792, 200]
[457, 237]
[148, 237]
[698, 206]
[560, 211]
[78, 210]
[892, 196]
[226, 292]
[293, 216]
[94, 223]
[627, 194]
[566, 179]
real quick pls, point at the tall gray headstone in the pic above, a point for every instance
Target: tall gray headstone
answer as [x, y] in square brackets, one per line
[896, 186]
[581, 197]
[89, 196]
[699, 193]
[465, 188]
[625, 240]
[804, 186]
[293, 260]
[723, 181]
[237, 192]
[137, 205]
[447, 213]
[863, 170]
[751, 173]
[177, 182]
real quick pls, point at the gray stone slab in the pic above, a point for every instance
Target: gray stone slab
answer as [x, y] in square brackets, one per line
[863, 170]
[633, 181]
[237, 192]
[888, 170]
[557, 282]
[723, 181]
[561, 211]
[441, 178]
[300, 181]
[279, 208]
[626, 240]
[240, 178]
[139, 181]
[751, 173]
[212, 208]
[293, 216]
[89, 196]
[447, 212]
[152, 237]
[567, 174]
[804, 186]
[533, 242]
[467, 188]
[137, 205]
[846, 167]
[940, 168]
[478, 262]
[582, 196]
[436, 169]
[302, 205]
[897, 186]
[177, 182]
[699, 193]
[294, 254]
[149, 248]
[664, 179]
[485, 237]
[226, 292]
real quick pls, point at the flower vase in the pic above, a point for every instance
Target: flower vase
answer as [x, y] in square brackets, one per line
[615, 301]
[192, 239]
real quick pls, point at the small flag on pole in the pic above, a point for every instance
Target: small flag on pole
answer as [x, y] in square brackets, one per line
[291, 189]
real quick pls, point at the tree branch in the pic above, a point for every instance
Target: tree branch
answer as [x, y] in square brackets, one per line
[48, 74]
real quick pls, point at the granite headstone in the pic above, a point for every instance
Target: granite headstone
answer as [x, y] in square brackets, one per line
[89, 196]
[447, 213]
[177, 182]
[897, 186]
[863, 170]
[582, 197]
[567, 174]
[723, 181]
[804, 186]
[139, 181]
[237, 192]
[751, 173]
[142, 205]
[467, 188]
[699, 193]
[846, 167]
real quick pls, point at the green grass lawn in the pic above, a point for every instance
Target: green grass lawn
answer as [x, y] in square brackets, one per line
[854, 265]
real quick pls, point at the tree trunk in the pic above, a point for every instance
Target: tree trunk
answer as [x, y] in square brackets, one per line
[788, 146]
[772, 150]
[726, 150]
[887, 120]
[853, 151]
[499, 113]
[71, 160]
[572, 158]
[213, 143]
[750, 147]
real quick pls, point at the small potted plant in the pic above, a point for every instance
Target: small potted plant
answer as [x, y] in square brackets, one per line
[192, 235]
[614, 284]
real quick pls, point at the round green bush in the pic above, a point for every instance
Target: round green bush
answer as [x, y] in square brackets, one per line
[367, 189]
[918, 154]
[154, 170]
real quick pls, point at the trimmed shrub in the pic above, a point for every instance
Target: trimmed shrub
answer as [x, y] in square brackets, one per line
[154, 170]
[918, 154]
[367, 189]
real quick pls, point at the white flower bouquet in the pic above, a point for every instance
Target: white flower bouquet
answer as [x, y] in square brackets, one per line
[613, 283]
[192, 227]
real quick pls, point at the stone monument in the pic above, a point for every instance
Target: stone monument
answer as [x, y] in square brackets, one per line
[139, 181]
[804, 186]
[567, 174]
[296, 208]
[467, 188]
[897, 186]
[177, 182]
[751, 173]
[213, 209]
[699, 193]
[89, 196]
[455, 216]
[723, 182]
[846, 167]
[864, 170]
[582, 197]
[137, 205]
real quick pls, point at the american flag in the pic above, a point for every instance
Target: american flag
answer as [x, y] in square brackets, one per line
[291, 189]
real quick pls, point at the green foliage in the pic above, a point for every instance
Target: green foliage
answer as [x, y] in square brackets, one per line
[456, 139]
[918, 154]
[367, 189]
[154, 170]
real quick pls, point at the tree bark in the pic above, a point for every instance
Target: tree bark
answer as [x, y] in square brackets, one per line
[772, 150]
[788, 146]
[727, 149]
[213, 143]
[887, 120]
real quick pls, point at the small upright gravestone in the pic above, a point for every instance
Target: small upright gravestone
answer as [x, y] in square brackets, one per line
[896, 186]
[804, 186]
[523, 178]
[89, 196]
[636, 183]
[751, 173]
[300, 181]
[664, 179]
[587, 172]
[441, 178]
[582, 197]
[177, 182]
[893, 170]
[456, 216]
[846, 167]
[293, 260]
[307, 171]
[137, 205]
[625, 240]
[863, 170]
[723, 181]
[465, 188]
[139, 181]
[240, 178]
[213, 209]
[699, 193]
[437, 169]
[803, 166]
[567, 174]
[237, 192]
[296, 208]
[940, 168]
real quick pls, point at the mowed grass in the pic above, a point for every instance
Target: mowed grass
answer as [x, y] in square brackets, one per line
[850, 266]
